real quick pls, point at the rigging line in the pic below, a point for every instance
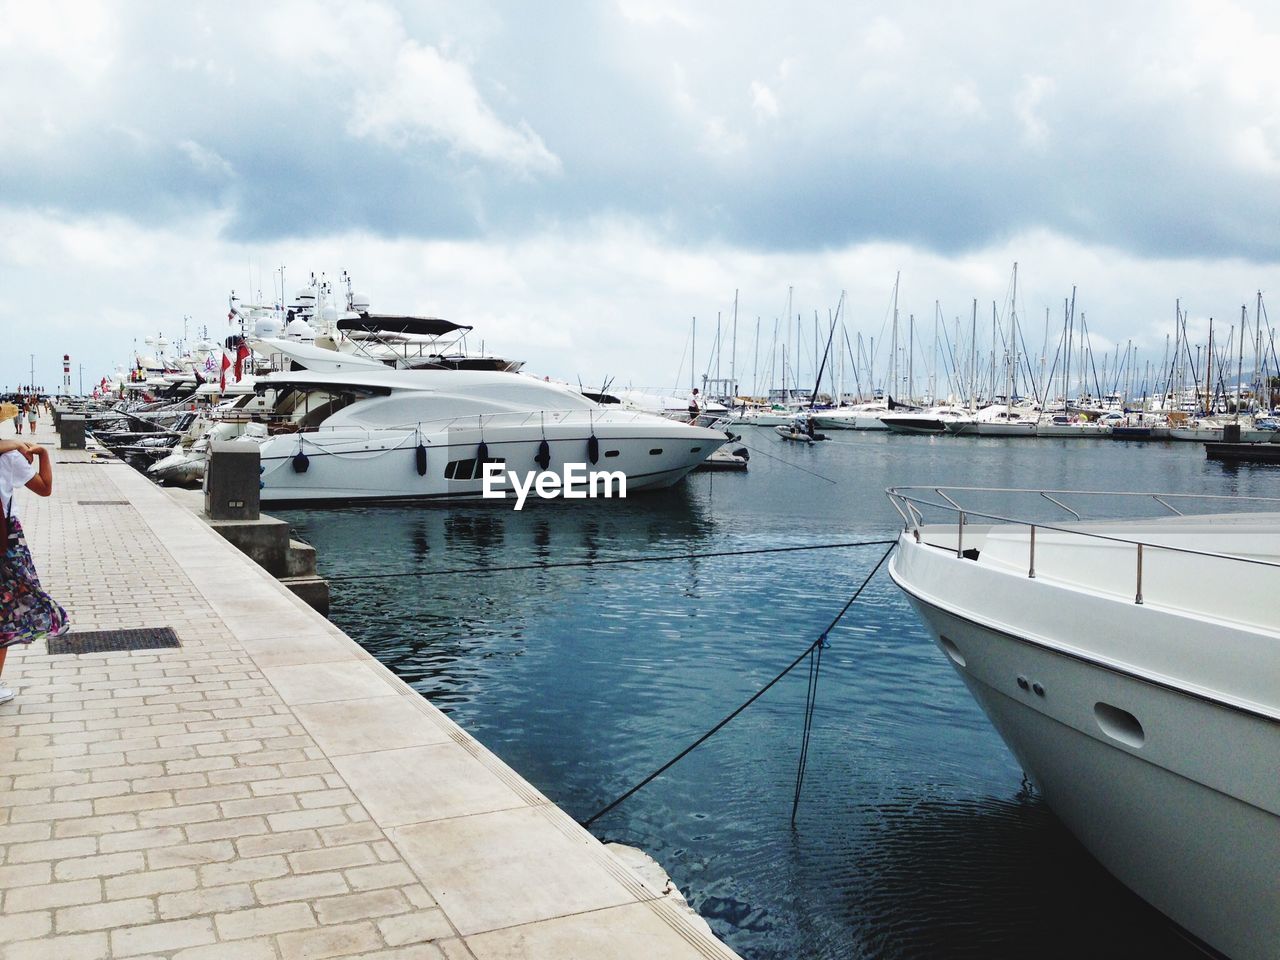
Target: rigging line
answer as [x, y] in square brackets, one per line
[822, 638]
[787, 462]
[811, 697]
[608, 561]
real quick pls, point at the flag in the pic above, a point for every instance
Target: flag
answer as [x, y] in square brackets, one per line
[242, 354]
[226, 365]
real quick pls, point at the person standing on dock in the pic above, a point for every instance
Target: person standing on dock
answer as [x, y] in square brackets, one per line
[18, 415]
[31, 419]
[26, 611]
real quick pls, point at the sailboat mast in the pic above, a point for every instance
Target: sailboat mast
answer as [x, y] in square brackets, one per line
[1013, 336]
[733, 356]
[973, 358]
[893, 353]
[1244, 319]
[755, 363]
[693, 356]
[1208, 377]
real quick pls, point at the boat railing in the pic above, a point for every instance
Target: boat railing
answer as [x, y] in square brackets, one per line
[912, 502]
[505, 418]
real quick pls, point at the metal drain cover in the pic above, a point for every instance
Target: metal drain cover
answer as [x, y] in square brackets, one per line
[103, 503]
[112, 641]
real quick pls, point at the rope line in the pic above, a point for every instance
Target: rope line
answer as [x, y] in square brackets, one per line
[789, 463]
[606, 562]
[822, 639]
[811, 698]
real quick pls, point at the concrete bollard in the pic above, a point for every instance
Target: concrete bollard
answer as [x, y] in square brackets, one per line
[71, 432]
[231, 478]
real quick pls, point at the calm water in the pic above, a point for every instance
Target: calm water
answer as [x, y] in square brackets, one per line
[916, 836]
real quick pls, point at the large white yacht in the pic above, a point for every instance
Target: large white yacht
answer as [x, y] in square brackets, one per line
[1133, 668]
[382, 434]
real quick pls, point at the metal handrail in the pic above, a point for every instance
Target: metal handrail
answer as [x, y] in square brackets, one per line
[473, 420]
[908, 504]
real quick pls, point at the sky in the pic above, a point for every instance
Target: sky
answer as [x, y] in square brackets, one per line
[578, 181]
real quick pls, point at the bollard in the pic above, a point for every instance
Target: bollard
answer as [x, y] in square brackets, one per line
[71, 433]
[231, 481]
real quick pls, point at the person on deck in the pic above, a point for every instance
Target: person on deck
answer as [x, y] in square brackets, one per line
[27, 613]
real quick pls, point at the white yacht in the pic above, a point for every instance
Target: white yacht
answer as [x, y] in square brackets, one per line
[943, 419]
[1070, 425]
[1133, 668]
[858, 416]
[999, 420]
[382, 434]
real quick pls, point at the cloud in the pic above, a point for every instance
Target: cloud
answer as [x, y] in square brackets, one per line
[206, 161]
[611, 296]
[427, 96]
[763, 102]
[1026, 104]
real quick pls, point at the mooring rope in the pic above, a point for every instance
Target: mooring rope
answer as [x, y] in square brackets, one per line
[783, 460]
[813, 690]
[606, 561]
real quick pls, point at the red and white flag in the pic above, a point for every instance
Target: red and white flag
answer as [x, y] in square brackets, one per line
[226, 365]
[242, 354]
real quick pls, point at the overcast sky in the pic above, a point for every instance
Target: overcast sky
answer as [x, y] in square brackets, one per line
[578, 180]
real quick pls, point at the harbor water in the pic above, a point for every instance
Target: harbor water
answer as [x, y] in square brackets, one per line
[916, 834]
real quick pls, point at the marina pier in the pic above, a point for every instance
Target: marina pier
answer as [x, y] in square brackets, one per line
[265, 789]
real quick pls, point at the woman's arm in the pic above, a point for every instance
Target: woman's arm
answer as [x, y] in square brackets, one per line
[42, 483]
[7, 445]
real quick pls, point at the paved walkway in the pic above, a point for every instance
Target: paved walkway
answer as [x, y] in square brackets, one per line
[268, 791]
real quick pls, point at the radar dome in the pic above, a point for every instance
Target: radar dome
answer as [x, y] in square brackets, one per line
[360, 302]
[269, 325]
[299, 330]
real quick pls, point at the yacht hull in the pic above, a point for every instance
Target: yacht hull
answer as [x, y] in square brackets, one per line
[860, 421]
[1026, 429]
[913, 425]
[1163, 805]
[1070, 430]
[348, 466]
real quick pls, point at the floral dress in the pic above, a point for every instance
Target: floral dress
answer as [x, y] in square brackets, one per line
[26, 611]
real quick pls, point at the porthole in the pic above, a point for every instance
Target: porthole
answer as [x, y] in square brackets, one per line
[611, 453]
[655, 451]
[1119, 724]
[952, 651]
[695, 449]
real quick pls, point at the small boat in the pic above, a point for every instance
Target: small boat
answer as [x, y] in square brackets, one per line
[796, 435]
[725, 460]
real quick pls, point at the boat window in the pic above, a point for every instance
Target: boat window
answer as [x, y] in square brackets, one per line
[309, 408]
[655, 451]
[471, 469]
[611, 453]
[695, 449]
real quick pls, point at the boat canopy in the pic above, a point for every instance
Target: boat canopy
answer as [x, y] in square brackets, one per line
[396, 323]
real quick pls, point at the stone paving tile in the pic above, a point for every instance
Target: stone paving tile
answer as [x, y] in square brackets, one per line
[181, 804]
